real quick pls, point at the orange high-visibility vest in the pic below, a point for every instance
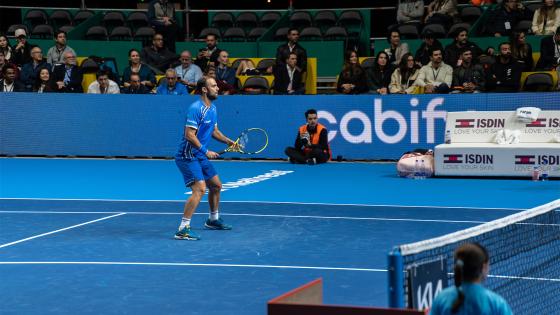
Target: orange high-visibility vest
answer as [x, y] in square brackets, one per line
[314, 138]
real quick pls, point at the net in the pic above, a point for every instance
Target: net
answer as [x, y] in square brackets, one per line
[524, 251]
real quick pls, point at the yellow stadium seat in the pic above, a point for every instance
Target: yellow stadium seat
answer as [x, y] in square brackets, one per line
[87, 80]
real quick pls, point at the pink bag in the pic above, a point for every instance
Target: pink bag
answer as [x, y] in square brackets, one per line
[407, 165]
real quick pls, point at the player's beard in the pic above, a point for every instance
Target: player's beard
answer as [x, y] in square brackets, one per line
[212, 97]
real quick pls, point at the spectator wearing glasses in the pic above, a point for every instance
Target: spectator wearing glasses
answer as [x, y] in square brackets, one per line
[161, 14]
[22, 50]
[292, 46]
[30, 71]
[188, 73]
[55, 54]
[43, 84]
[157, 55]
[147, 76]
[135, 86]
[170, 85]
[69, 76]
[9, 83]
[5, 48]
[103, 85]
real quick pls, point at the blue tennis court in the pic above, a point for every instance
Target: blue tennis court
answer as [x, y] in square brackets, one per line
[96, 236]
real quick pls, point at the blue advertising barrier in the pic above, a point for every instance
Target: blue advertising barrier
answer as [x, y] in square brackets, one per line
[360, 126]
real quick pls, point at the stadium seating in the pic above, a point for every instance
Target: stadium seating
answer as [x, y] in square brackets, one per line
[35, 17]
[234, 34]
[470, 14]
[97, 33]
[538, 82]
[14, 27]
[59, 18]
[324, 19]
[310, 33]
[137, 19]
[81, 16]
[269, 18]
[209, 30]
[247, 20]
[256, 85]
[300, 19]
[281, 34]
[255, 33]
[121, 33]
[336, 33]
[113, 19]
[144, 33]
[408, 31]
[222, 20]
[44, 31]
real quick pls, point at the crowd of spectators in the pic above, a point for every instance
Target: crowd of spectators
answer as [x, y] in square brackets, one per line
[460, 67]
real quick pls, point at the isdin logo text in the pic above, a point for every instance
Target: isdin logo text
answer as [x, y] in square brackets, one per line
[380, 117]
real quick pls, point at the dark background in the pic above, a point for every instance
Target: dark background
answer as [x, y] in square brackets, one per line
[380, 18]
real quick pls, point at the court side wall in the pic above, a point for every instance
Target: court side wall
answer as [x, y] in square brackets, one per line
[360, 126]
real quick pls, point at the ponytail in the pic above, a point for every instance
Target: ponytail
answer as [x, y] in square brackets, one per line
[470, 259]
[458, 276]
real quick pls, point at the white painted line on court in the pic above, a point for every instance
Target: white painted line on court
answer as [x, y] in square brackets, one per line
[60, 230]
[518, 277]
[257, 215]
[182, 264]
[273, 202]
[123, 263]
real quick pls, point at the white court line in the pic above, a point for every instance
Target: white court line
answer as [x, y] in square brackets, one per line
[181, 264]
[257, 215]
[60, 230]
[273, 202]
[274, 216]
[122, 263]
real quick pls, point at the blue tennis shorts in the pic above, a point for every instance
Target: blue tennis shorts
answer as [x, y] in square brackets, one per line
[194, 170]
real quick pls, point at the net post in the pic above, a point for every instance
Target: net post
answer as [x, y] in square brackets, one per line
[396, 278]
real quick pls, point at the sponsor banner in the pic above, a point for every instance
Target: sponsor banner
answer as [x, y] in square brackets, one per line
[481, 127]
[360, 126]
[496, 161]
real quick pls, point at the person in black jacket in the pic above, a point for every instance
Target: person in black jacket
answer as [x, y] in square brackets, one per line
[157, 55]
[352, 79]
[379, 76]
[504, 18]
[452, 53]
[550, 52]
[9, 83]
[292, 46]
[44, 84]
[30, 71]
[22, 50]
[424, 53]
[69, 76]
[312, 142]
[135, 86]
[161, 14]
[208, 56]
[505, 74]
[288, 78]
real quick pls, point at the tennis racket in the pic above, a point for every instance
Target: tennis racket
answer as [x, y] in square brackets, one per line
[250, 141]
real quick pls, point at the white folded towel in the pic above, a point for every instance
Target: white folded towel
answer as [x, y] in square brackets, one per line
[528, 114]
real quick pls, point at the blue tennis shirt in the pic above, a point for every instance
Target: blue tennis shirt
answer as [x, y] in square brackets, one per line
[478, 300]
[204, 119]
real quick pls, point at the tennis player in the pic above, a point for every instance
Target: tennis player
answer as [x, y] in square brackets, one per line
[193, 156]
[469, 296]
